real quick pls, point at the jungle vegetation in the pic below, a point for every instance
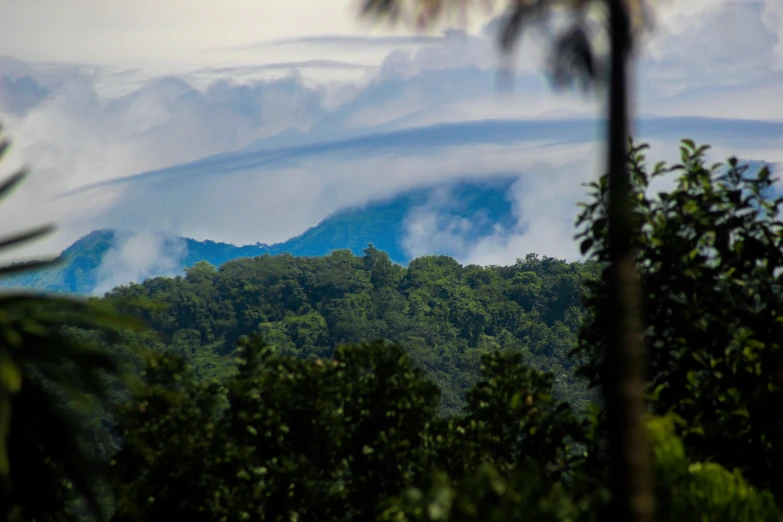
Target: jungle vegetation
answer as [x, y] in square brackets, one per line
[349, 388]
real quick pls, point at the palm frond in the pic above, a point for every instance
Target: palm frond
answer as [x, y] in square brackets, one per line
[573, 59]
[75, 311]
[24, 237]
[44, 370]
[43, 427]
[379, 9]
[15, 179]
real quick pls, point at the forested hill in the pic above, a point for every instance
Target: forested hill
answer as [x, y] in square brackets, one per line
[446, 315]
[108, 256]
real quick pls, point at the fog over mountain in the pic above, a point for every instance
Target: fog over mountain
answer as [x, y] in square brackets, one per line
[449, 219]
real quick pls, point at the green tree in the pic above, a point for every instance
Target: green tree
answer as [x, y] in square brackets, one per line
[382, 271]
[711, 257]
[358, 437]
[295, 439]
[168, 429]
[511, 420]
[445, 315]
[327, 440]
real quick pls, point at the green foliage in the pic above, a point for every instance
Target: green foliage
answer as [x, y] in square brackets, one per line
[685, 491]
[322, 439]
[710, 254]
[296, 439]
[489, 496]
[444, 314]
[702, 491]
[168, 431]
[511, 418]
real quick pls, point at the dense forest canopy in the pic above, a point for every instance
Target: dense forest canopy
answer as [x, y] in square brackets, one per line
[445, 315]
[256, 390]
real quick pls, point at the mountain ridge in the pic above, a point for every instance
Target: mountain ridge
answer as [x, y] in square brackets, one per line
[106, 258]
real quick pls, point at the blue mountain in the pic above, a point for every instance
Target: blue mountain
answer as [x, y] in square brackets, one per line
[381, 223]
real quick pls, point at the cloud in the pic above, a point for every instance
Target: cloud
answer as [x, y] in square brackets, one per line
[136, 256]
[433, 139]
[288, 66]
[149, 30]
[715, 57]
[421, 140]
[259, 144]
[544, 209]
[344, 42]
[428, 233]
[723, 41]
[440, 225]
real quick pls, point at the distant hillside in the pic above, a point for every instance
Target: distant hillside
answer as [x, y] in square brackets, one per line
[106, 258]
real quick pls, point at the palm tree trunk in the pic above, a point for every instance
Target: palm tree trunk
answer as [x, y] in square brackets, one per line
[624, 357]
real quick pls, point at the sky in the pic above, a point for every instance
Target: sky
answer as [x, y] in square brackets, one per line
[249, 121]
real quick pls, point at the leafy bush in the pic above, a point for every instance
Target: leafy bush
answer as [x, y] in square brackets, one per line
[710, 253]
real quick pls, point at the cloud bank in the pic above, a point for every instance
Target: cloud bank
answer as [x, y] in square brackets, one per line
[243, 150]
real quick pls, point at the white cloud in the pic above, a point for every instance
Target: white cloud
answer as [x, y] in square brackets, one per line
[545, 199]
[432, 229]
[428, 232]
[725, 42]
[150, 30]
[135, 257]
